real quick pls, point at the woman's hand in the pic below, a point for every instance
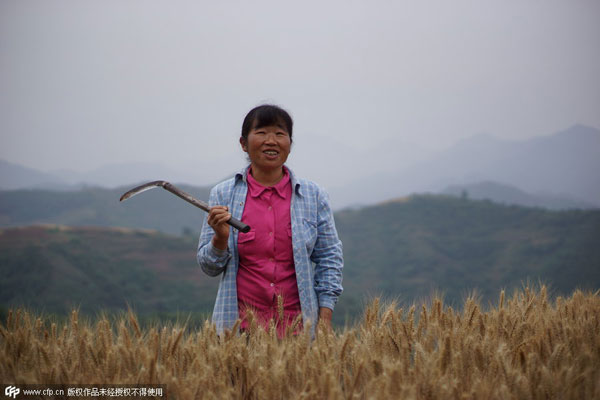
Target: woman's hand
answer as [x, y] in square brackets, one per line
[325, 315]
[217, 220]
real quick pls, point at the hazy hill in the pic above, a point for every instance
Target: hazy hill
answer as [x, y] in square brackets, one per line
[562, 165]
[14, 176]
[565, 164]
[507, 194]
[403, 249]
[122, 174]
[154, 209]
[160, 210]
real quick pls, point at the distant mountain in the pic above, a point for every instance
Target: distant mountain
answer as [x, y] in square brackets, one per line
[155, 209]
[506, 194]
[14, 176]
[404, 250]
[311, 155]
[565, 164]
[116, 175]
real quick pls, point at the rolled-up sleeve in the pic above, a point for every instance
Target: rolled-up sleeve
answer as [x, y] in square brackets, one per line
[212, 260]
[327, 256]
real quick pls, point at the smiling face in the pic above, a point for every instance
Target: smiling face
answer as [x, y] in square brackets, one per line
[268, 147]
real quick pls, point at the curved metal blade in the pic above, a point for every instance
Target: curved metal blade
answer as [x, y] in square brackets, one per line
[142, 188]
[237, 224]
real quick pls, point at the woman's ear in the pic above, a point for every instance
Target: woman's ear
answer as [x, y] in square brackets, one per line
[244, 144]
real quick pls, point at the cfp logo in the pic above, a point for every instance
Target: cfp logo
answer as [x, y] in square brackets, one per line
[12, 391]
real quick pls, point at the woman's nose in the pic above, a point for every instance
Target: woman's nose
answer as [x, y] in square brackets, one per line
[270, 138]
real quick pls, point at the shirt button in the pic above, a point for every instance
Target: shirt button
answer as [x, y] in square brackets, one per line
[270, 233]
[272, 284]
[270, 208]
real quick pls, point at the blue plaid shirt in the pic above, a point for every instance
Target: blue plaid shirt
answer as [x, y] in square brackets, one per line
[317, 249]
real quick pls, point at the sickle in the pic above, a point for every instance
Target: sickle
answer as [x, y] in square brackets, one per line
[237, 224]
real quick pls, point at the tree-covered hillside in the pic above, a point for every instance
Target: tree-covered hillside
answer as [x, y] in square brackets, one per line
[54, 268]
[155, 209]
[402, 250]
[413, 246]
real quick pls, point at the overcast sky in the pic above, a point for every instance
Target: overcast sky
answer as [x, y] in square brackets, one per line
[89, 83]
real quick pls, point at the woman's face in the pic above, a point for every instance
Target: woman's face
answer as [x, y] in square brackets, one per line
[268, 147]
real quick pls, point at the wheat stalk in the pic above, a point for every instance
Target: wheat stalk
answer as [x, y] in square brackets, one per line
[527, 347]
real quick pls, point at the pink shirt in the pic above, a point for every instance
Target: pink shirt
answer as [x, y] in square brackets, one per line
[266, 267]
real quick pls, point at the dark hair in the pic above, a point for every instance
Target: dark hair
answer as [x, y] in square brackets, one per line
[267, 115]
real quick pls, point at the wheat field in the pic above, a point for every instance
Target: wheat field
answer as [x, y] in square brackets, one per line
[523, 347]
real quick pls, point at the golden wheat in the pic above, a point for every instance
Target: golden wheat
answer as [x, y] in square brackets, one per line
[527, 347]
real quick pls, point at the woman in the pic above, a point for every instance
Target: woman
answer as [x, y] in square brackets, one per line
[292, 253]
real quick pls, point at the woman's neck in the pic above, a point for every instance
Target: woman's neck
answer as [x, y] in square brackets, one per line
[267, 177]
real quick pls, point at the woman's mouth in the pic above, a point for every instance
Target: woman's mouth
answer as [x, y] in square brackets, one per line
[271, 153]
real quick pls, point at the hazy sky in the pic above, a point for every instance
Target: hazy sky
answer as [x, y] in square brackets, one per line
[88, 83]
